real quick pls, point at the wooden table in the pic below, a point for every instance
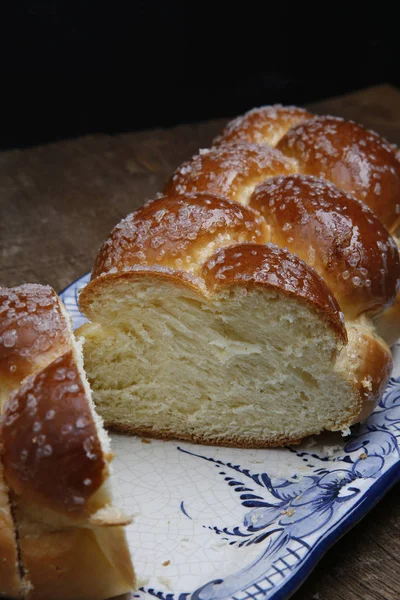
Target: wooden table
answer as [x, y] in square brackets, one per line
[58, 202]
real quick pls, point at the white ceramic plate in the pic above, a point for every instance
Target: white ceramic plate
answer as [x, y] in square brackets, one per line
[214, 523]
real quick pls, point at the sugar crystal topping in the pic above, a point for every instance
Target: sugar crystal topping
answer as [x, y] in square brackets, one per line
[225, 170]
[50, 418]
[31, 324]
[348, 239]
[174, 231]
[356, 159]
[264, 125]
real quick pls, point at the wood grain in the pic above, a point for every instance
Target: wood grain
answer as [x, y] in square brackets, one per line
[58, 202]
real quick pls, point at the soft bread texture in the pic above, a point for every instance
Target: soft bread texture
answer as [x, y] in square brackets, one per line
[197, 335]
[55, 455]
[223, 385]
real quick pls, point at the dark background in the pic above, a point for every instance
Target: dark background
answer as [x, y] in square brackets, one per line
[71, 68]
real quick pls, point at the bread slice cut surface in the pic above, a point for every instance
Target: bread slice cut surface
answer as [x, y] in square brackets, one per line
[245, 355]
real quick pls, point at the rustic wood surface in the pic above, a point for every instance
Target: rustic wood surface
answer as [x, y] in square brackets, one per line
[58, 202]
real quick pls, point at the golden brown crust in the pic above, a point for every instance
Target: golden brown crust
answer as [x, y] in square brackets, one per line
[200, 438]
[265, 265]
[355, 159]
[33, 332]
[54, 461]
[264, 125]
[369, 364]
[178, 232]
[272, 267]
[337, 235]
[52, 454]
[78, 564]
[226, 441]
[229, 170]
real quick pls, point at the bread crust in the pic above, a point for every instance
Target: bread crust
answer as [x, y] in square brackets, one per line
[347, 181]
[355, 159]
[52, 454]
[226, 441]
[297, 280]
[177, 231]
[368, 362]
[230, 170]
[336, 234]
[33, 332]
[264, 125]
[54, 464]
[268, 266]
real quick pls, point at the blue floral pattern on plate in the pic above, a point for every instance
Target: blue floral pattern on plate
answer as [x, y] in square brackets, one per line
[265, 516]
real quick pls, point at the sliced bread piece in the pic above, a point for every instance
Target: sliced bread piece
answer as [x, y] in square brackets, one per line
[55, 456]
[33, 331]
[244, 353]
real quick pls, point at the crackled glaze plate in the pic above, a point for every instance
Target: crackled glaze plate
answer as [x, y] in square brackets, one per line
[213, 523]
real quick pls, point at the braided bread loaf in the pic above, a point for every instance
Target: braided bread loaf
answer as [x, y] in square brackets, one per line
[241, 307]
[63, 538]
